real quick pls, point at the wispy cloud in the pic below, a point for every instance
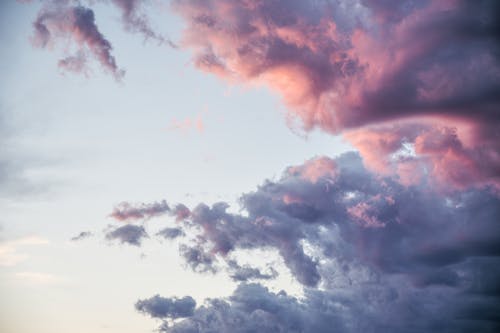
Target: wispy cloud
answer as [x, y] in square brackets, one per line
[11, 251]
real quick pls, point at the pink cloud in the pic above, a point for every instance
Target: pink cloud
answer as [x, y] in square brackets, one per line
[368, 64]
[314, 169]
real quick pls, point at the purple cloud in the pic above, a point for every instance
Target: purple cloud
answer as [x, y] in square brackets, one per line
[128, 234]
[131, 212]
[77, 24]
[376, 248]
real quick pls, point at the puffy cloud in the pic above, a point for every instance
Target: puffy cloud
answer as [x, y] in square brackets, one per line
[343, 65]
[454, 156]
[126, 211]
[161, 307]
[371, 253]
[82, 235]
[128, 234]
[253, 308]
[60, 20]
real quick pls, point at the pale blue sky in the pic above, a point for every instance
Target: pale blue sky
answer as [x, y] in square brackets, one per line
[73, 147]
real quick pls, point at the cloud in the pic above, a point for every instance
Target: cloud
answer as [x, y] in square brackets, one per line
[253, 308]
[344, 65]
[82, 235]
[135, 20]
[171, 233]
[128, 234]
[245, 273]
[371, 253]
[161, 307]
[130, 212]
[61, 21]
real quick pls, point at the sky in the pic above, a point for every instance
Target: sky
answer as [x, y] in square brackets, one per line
[191, 166]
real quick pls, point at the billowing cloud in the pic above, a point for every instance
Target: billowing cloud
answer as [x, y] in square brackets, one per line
[61, 21]
[365, 247]
[377, 309]
[128, 234]
[343, 65]
[130, 212]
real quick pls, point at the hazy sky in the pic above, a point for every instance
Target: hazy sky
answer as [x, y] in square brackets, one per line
[345, 152]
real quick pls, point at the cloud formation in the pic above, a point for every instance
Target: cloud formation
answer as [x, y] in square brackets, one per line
[344, 65]
[126, 211]
[128, 234]
[366, 249]
[59, 20]
[161, 307]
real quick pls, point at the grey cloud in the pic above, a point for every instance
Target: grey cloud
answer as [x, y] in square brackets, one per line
[161, 307]
[246, 273]
[171, 233]
[128, 234]
[82, 235]
[387, 257]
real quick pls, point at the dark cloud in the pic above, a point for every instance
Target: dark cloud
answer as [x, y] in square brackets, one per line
[82, 235]
[130, 212]
[161, 307]
[128, 234]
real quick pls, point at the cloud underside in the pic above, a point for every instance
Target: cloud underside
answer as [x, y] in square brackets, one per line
[371, 253]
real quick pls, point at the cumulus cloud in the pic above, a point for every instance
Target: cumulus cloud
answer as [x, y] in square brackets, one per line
[128, 234]
[253, 308]
[365, 247]
[126, 211]
[161, 307]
